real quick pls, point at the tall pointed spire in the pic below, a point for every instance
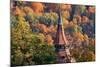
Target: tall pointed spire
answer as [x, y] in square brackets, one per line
[61, 42]
[59, 17]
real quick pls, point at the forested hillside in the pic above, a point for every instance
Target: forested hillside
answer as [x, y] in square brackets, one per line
[33, 29]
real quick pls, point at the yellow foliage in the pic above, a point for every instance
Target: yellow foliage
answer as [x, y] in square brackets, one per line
[65, 23]
[65, 14]
[28, 10]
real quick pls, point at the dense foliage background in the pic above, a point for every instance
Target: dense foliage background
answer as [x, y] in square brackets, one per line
[33, 28]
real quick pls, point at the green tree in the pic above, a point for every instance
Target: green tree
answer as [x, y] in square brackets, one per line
[28, 48]
[49, 18]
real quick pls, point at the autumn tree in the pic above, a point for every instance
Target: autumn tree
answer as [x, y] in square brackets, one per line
[26, 47]
[38, 8]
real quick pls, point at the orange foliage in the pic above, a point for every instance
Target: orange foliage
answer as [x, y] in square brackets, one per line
[52, 29]
[78, 35]
[92, 9]
[85, 19]
[86, 37]
[17, 11]
[38, 8]
[92, 41]
[49, 39]
[41, 27]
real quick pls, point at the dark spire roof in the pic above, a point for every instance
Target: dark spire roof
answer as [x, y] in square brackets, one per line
[60, 36]
[59, 18]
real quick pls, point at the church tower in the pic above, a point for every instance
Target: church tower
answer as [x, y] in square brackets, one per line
[61, 44]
